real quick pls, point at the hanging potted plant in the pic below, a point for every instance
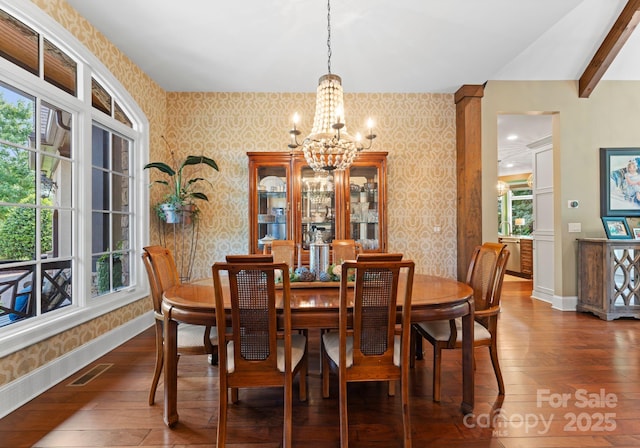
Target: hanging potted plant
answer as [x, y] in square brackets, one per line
[178, 204]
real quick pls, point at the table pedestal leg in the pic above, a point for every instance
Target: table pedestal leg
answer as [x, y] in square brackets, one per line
[170, 371]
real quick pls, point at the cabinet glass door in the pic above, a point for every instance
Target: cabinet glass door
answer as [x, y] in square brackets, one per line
[273, 212]
[364, 198]
[318, 206]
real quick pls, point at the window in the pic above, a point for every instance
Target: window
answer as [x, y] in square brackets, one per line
[515, 211]
[67, 183]
[35, 193]
[111, 214]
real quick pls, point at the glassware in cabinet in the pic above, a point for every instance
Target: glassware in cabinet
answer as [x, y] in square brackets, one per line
[318, 206]
[364, 205]
[269, 210]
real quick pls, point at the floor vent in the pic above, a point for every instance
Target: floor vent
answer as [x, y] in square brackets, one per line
[90, 375]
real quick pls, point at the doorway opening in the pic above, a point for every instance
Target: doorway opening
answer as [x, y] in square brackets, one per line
[520, 207]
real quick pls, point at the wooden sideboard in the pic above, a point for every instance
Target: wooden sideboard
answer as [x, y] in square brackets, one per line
[609, 278]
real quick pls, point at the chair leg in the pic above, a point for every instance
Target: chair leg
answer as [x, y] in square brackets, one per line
[416, 351]
[325, 372]
[159, 364]
[288, 411]
[406, 415]
[222, 416]
[234, 394]
[213, 356]
[209, 347]
[412, 347]
[493, 351]
[303, 378]
[344, 424]
[437, 361]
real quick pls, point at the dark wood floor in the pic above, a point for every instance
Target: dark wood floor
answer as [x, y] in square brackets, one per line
[561, 369]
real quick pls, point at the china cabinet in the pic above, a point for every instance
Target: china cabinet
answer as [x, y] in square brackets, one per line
[288, 200]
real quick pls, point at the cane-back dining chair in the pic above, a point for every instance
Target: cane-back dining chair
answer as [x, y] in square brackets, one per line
[284, 251]
[345, 250]
[257, 353]
[372, 347]
[485, 275]
[192, 339]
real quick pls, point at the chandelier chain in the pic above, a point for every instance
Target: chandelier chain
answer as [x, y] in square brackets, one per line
[329, 36]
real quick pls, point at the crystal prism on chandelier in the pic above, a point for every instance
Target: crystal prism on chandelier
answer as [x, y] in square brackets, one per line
[329, 146]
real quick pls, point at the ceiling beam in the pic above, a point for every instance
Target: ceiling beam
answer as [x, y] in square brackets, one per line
[618, 35]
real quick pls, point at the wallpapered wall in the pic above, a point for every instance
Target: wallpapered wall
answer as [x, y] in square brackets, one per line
[418, 131]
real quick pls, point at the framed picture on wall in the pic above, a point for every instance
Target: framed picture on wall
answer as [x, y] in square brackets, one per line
[619, 182]
[616, 228]
[636, 233]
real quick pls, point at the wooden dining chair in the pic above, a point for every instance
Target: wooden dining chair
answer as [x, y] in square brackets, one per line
[345, 250]
[371, 347]
[257, 353]
[485, 275]
[284, 251]
[192, 339]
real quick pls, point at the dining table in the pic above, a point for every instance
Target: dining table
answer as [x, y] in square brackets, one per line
[315, 305]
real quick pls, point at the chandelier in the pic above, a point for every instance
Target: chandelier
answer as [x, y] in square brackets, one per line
[502, 188]
[530, 180]
[329, 146]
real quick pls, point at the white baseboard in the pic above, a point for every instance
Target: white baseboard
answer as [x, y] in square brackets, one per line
[557, 302]
[564, 303]
[542, 295]
[29, 386]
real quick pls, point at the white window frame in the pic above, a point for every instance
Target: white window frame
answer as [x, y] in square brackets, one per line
[19, 335]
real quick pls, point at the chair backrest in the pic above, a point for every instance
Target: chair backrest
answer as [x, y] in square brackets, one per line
[375, 305]
[284, 251]
[486, 273]
[250, 258]
[345, 250]
[161, 272]
[379, 257]
[253, 315]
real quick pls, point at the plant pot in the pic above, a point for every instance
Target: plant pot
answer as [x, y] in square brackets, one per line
[170, 213]
[187, 213]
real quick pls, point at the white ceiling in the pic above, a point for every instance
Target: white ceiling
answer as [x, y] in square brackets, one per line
[431, 46]
[518, 135]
